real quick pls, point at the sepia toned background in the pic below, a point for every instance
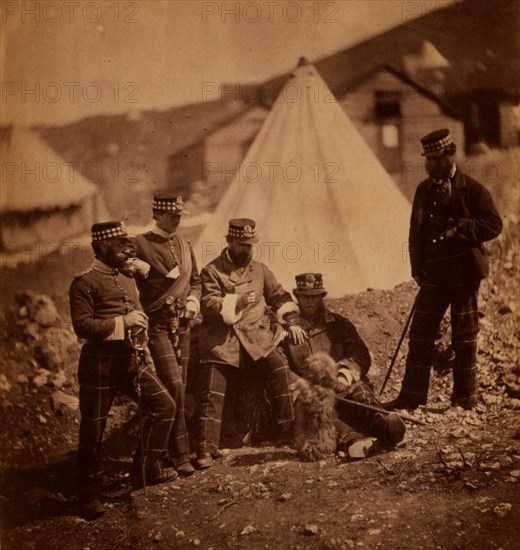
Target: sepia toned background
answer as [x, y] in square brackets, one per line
[305, 115]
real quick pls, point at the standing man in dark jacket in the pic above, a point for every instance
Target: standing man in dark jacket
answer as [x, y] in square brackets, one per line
[170, 294]
[236, 331]
[361, 430]
[452, 215]
[106, 312]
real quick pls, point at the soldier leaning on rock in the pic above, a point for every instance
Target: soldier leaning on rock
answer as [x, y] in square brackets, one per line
[360, 431]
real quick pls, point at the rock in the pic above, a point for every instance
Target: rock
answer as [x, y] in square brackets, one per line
[356, 517]
[63, 403]
[38, 308]
[502, 509]
[374, 532]
[4, 383]
[41, 378]
[284, 497]
[22, 379]
[310, 529]
[247, 530]
[514, 473]
[42, 419]
[59, 379]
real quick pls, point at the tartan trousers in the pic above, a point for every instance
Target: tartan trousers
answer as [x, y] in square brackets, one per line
[173, 376]
[215, 379]
[355, 422]
[103, 369]
[443, 285]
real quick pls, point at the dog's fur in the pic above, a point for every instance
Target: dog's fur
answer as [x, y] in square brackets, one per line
[315, 415]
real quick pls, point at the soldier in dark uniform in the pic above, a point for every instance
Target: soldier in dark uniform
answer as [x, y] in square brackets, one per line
[169, 287]
[452, 215]
[360, 431]
[236, 331]
[105, 311]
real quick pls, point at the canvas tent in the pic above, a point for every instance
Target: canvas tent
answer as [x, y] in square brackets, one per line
[43, 200]
[321, 199]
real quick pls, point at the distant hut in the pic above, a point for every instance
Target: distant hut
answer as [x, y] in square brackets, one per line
[44, 200]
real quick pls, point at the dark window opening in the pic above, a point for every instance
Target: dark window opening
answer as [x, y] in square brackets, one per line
[387, 104]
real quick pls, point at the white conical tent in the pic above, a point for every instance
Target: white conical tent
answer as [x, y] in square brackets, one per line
[321, 199]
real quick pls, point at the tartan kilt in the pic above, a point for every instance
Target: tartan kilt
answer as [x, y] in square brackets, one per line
[105, 368]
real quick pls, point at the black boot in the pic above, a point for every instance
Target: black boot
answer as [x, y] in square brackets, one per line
[90, 504]
[388, 428]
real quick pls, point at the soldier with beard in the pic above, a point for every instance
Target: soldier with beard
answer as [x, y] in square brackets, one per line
[106, 312]
[452, 215]
[236, 332]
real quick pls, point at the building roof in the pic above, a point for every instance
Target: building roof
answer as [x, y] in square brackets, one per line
[479, 39]
[36, 178]
[445, 107]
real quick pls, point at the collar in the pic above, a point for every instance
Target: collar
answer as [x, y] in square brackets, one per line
[158, 231]
[98, 265]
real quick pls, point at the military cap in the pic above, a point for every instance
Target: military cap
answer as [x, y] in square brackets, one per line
[109, 230]
[168, 202]
[309, 283]
[243, 230]
[435, 141]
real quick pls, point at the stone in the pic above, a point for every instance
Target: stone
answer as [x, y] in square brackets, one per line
[310, 529]
[502, 509]
[63, 403]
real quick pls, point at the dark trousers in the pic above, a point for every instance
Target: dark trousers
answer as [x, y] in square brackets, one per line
[172, 373]
[215, 379]
[103, 369]
[356, 422]
[443, 285]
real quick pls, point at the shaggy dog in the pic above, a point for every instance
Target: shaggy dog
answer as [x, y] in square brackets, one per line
[314, 400]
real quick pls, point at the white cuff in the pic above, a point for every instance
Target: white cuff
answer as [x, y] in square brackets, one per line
[119, 329]
[288, 307]
[351, 372]
[196, 303]
[228, 309]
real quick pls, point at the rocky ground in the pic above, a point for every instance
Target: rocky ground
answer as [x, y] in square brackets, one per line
[453, 482]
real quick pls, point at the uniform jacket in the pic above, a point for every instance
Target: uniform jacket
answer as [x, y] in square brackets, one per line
[223, 330]
[336, 335]
[474, 215]
[163, 254]
[98, 297]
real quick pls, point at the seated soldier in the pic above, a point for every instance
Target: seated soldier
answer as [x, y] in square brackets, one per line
[363, 430]
[236, 332]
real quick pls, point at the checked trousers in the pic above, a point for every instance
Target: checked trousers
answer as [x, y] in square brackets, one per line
[356, 422]
[172, 373]
[213, 391]
[443, 285]
[105, 368]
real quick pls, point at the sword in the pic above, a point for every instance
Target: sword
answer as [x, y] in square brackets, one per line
[378, 409]
[138, 339]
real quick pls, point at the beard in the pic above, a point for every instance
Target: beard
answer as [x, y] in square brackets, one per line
[439, 172]
[240, 258]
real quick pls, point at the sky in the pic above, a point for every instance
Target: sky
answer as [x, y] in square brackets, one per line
[65, 60]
